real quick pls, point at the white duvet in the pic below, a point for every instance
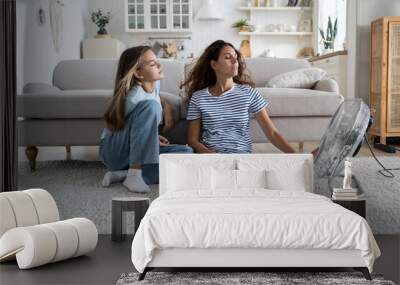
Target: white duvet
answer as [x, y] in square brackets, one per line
[253, 218]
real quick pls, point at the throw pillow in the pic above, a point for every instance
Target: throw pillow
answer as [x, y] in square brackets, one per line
[304, 78]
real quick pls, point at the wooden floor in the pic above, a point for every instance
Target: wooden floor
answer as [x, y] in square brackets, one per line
[110, 259]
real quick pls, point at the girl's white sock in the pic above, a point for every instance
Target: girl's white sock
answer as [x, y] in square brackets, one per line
[113, 176]
[134, 181]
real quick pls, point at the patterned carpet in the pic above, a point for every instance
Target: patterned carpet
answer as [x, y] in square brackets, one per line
[243, 278]
[76, 187]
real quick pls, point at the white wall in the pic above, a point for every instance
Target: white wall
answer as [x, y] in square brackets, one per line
[367, 11]
[205, 32]
[36, 55]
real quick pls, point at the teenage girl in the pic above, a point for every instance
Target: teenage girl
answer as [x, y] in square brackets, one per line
[130, 143]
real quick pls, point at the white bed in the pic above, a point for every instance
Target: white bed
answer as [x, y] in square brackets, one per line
[198, 223]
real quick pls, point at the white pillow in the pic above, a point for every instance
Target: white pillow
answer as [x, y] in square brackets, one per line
[301, 78]
[289, 181]
[224, 179]
[227, 179]
[188, 177]
[251, 178]
[283, 174]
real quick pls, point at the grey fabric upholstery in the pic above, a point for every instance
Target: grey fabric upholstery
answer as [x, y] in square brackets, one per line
[263, 69]
[328, 85]
[81, 74]
[175, 102]
[293, 102]
[66, 104]
[37, 87]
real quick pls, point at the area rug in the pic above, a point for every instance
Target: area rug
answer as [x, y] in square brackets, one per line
[76, 187]
[243, 278]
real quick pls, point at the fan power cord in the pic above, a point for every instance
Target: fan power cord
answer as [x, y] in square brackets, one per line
[387, 172]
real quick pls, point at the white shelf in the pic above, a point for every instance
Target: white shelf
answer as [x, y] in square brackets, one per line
[275, 33]
[275, 8]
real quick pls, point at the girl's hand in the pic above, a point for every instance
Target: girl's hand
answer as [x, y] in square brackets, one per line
[168, 118]
[163, 141]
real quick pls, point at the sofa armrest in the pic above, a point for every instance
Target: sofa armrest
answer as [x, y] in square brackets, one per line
[175, 101]
[328, 85]
[40, 88]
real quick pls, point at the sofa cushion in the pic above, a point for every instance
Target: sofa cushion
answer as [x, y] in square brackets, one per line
[85, 74]
[291, 102]
[263, 69]
[300, 78]
[68, 104]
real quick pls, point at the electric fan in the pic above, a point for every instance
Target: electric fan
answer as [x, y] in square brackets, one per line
[343, 137]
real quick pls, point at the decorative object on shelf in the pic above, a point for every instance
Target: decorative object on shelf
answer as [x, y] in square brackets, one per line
[170, 49]
[243, 25]
[257, 3]
[328, 39]
[208, 11]
[306, 52]
[101, 20]
[305, 25]
[280, 28]
[292, 3]
[157, 49]
[305, 3]
[248, 3]
[290, 28]
[41, 16]
[245, 49]
[56, 22]
[266, 3]
[347, 174]
[268, 53]
[274, 3]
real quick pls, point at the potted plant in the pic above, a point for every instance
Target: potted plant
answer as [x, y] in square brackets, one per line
[242, 25]
[101, 20]
[328, 39]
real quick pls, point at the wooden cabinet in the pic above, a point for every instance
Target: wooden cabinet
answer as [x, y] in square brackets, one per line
[384, 97]
[158, 15]
[335, 65]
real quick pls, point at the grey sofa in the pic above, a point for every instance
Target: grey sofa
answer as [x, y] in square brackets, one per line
[70, 112]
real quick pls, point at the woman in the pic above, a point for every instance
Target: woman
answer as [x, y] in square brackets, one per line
[131, 138]
[221, 97]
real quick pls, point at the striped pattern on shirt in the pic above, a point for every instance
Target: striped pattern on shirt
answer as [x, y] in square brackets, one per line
[226, 118]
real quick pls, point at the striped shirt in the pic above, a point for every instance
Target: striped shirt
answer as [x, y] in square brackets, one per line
[226, 118]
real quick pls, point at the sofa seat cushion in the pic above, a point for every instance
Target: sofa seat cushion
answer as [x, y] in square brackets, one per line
[291, 102]
[75, 104]
[66, 104]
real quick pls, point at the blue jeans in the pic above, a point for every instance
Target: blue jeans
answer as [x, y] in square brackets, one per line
[138, 143]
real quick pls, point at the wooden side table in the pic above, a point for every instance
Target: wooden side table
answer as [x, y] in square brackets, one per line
[138, 205]
[357, 206]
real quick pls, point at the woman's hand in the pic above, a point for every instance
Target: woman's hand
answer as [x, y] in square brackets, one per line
[168, 118]
[272, 133]
[163, 140]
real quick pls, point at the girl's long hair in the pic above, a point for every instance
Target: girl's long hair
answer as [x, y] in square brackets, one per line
[202, 75]
[124, 81]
